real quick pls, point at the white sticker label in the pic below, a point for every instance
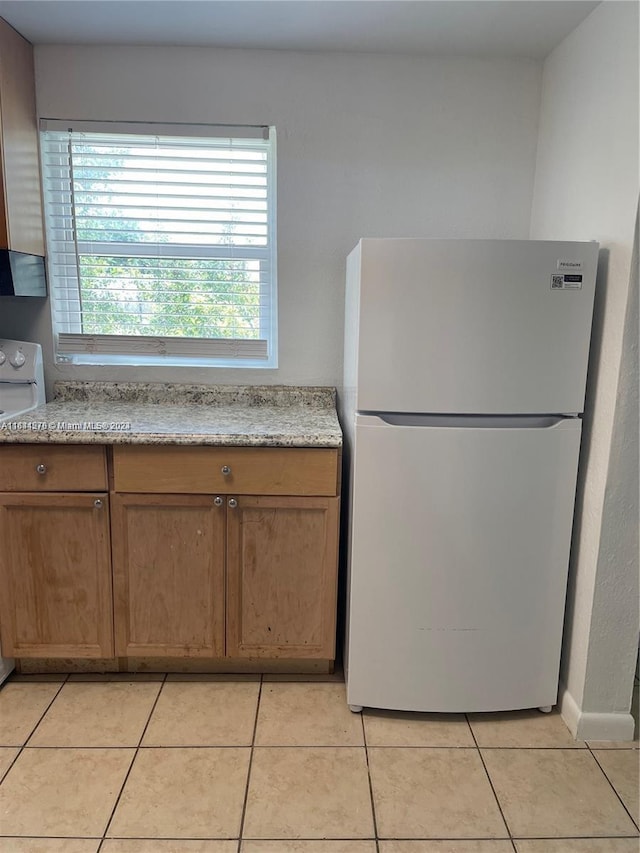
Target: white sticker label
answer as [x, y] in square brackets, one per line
[570, 266]
[566, 281]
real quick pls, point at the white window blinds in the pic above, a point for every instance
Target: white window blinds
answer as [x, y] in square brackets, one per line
[161, 247]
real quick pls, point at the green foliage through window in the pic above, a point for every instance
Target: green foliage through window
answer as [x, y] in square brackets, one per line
[156, 296]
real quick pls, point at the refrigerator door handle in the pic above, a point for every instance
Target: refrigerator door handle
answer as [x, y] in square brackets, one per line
[386, 419]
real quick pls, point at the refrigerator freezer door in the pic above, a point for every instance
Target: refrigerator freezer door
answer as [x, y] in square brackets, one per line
[458, 564]
[469, 326]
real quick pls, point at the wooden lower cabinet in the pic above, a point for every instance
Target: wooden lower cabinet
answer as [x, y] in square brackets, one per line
[168, 568]
[170, 557]
[136, 577]
[281, 577]
[55, 575]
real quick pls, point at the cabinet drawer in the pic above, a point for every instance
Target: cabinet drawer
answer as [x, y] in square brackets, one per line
[201, 470]
[52, 468]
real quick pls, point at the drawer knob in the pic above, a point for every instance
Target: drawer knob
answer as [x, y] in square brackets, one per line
[233, 503]
[41, 469]
[218, 501]
[97, 503]
[226, 470]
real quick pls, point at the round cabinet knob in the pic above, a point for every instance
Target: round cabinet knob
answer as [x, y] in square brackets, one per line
[218, 501]
[17, 359]
[97, 503]
[41, 469]
[233, 503]
[226, 470]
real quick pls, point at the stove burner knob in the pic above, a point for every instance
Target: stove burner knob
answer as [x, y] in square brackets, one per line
[17, 359]
[3, 357]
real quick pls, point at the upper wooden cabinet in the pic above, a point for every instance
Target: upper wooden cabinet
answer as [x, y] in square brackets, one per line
[21, 227]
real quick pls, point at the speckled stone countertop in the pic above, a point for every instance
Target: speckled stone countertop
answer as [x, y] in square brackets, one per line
[166, 413]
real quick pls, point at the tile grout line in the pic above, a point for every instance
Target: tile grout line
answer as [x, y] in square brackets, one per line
[31, 733]
[319, 746]
[373, 805]
[454, 838]
[473, 735]
[246, 790]
[133, 760]
[604, 772]
[33, 730]
[504, 820]
[576, 837]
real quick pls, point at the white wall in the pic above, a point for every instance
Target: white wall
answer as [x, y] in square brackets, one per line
[586, 188]
[368, 145]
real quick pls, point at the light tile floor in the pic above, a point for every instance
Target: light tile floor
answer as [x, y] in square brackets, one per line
[223, 764]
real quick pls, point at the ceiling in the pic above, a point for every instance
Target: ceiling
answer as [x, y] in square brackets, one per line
[509, 28]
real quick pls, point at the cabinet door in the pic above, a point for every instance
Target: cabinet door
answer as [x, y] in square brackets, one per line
[281, 577]
[168, 559]
[21, 211]
[55, 571]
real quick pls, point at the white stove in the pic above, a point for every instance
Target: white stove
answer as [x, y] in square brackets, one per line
[21, 389]
[21, 378]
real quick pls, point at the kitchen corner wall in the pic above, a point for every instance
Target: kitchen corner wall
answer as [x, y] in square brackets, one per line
[367, 146]
[586, 188]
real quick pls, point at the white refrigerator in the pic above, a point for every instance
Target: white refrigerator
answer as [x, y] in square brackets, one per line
[464, 382]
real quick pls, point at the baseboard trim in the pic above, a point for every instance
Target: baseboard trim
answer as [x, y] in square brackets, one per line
[585, 725]
[39, 666]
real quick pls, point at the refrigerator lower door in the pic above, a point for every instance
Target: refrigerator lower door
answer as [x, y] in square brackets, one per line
[459, 548]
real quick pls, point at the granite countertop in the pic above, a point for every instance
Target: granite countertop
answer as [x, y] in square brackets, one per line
[166, 413]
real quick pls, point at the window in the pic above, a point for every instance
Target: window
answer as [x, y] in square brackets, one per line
[161, 243]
